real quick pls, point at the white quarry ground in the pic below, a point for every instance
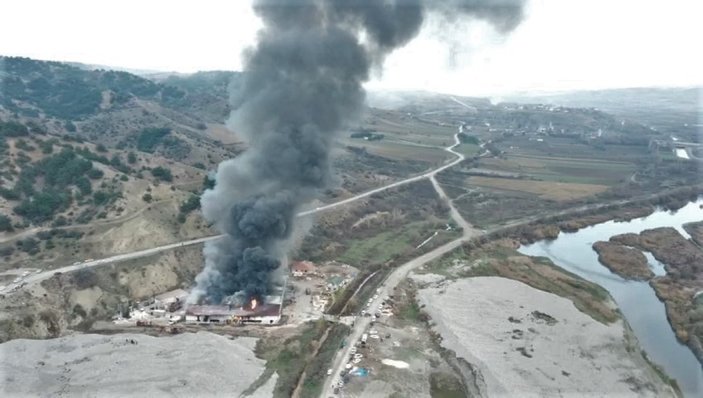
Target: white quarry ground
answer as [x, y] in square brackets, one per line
[90, 365]
[533, 355]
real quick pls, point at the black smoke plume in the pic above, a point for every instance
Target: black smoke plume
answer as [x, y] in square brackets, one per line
[303, 83]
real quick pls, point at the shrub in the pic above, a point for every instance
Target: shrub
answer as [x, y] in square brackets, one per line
[150, 138]
[162, 173]
[95, 174]
[85, 278]
[29, 245]
[13, 129]
[43, 205]
[6, 251]
[6, 224]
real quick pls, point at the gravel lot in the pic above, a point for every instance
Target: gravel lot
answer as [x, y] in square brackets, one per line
[89, 365]
[527, 342]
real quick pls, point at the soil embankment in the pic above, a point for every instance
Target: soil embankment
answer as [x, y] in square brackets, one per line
[187, 365]
[626, 262]
[529, 342]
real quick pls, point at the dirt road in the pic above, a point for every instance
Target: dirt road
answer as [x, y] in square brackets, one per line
[362, 323]
[36, 278]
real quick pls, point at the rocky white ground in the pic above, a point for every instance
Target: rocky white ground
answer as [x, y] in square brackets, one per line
[490, 322]
[186, 365]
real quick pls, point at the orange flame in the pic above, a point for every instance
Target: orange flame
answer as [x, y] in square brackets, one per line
[253, 304]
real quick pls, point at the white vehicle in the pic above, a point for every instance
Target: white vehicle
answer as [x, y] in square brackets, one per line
[329, 372]
[364, 337]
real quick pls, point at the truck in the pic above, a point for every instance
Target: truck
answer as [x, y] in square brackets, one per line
[364, 337]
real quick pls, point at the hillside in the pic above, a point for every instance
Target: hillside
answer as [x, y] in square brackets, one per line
[63, 198]
[111, 107]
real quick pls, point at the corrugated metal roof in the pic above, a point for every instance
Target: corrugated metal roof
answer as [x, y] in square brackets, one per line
[225, 310]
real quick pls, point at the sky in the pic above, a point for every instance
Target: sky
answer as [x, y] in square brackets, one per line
[561, 45]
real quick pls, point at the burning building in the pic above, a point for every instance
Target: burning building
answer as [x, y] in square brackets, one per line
[303, 84]
[253, 313]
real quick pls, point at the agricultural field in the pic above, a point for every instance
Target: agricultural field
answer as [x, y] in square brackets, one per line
[387, 245]
[561, 169]
[396, 150]
[401, 126]
[469, 150]
[557, 191]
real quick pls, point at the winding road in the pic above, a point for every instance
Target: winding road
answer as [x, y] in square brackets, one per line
[394, 278]
[38, 277]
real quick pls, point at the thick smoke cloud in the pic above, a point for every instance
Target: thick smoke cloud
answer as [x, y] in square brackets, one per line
[303, 84]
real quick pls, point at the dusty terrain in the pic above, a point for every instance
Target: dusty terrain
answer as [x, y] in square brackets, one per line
[499, 258]
[531, 343]
[627, 262]
[186, 365]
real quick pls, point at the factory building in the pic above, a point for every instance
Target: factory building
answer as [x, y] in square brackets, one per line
[263, 314]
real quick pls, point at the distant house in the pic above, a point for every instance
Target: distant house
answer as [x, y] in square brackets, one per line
[301, 268]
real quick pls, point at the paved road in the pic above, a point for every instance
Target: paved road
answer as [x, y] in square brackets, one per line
[36, 278]
[394, 278]
[450, 149]
[362, 323]
[98, 223]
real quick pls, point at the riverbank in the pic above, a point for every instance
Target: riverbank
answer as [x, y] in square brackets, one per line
[643, 304]
[683, 261]
[549, 228]
[626, 262]
[695, 229]
[529, 342]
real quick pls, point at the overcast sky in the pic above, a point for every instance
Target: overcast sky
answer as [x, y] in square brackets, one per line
[561, 45]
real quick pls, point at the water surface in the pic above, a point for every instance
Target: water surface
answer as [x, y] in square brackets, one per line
[636, 300]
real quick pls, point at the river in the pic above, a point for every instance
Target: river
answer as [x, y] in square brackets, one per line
[636, 300]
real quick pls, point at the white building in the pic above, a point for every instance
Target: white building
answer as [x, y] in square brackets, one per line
[263, 314]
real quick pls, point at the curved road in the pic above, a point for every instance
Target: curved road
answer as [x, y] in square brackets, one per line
[35, 278]
[361, 324]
